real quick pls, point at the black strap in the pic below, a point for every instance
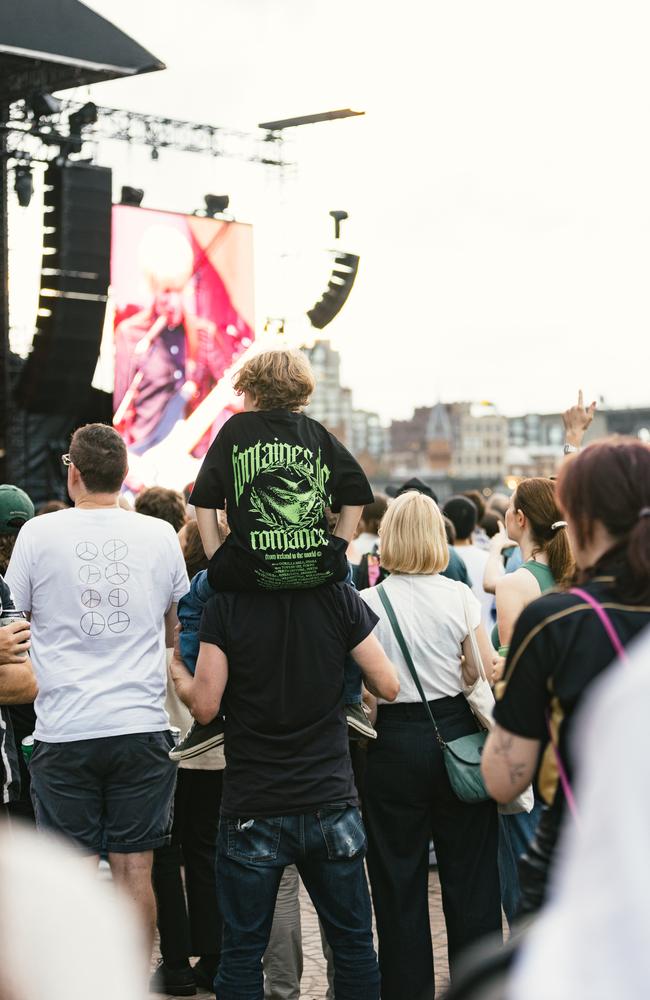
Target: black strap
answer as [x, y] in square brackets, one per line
[406, 653]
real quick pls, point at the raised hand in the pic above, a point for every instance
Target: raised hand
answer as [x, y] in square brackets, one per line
[577, 419]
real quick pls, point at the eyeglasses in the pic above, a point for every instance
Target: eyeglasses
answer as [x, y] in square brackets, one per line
[66, 459]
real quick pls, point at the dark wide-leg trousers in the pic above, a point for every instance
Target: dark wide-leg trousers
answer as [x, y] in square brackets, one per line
[191, 926]
[408, 799]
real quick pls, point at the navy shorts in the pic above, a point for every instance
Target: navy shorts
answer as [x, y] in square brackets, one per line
[111, 794]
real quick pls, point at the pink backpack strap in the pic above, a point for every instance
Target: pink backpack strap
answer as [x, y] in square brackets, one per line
[605, 620]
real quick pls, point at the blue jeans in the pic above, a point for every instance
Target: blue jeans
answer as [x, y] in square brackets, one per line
[328, 848]
[515, 834]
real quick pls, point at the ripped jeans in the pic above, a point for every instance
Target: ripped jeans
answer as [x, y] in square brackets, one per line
[328, 848]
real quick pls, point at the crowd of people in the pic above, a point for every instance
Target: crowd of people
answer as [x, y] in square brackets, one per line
[281, 677]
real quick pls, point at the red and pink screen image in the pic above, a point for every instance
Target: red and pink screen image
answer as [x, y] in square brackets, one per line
[182, 287]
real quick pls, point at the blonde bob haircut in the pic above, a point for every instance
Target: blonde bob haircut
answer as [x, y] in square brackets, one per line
[413, 538]
[278, 380]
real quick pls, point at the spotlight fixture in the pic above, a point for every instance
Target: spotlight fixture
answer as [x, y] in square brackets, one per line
[24, 185]
[79, 120]
[339, 217]
[216, 204]
[44, 105]
[132, 196]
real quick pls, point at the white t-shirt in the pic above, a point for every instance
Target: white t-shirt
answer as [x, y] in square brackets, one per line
[476, 560]
[431, 613]
[98, 584]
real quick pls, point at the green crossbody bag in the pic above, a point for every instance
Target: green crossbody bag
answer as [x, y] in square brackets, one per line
[462, 757]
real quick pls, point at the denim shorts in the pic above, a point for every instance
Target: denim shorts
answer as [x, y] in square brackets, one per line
[112, 794]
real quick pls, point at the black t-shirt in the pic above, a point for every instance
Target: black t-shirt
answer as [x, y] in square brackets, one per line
[275, 472]
[286, 733]
[558, 648]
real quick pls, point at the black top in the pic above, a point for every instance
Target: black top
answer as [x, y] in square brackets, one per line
[9, 774]
[275, 472]
[286, 733]
[558, 649]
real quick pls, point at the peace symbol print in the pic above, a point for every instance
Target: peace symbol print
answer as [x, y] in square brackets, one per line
[118, 621]
[117, 572]
[87, 550]
[89, 574]
[115, 549]
[91, 598]
[118, 597]
[93, 623]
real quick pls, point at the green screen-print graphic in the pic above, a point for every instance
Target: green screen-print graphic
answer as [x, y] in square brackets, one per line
[287, 494]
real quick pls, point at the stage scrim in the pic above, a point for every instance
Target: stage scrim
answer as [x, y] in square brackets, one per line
[183, 293]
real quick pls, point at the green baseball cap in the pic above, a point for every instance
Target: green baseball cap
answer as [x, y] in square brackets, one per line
[15, 509]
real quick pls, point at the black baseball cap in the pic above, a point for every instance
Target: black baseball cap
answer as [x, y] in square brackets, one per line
[414, 484]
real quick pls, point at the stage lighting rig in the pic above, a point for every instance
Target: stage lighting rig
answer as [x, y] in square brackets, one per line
[77, 122]
[216, 204]
[132, 196]
[24, 184]
[44, 105]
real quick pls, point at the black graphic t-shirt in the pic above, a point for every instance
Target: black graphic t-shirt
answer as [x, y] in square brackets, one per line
[286, 731]
[275, 472]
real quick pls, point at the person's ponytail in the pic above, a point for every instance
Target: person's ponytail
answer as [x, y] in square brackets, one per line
[560, 558]
[638, 558]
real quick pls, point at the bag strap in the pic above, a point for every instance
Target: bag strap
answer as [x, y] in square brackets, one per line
[619, 648]
[471, 633]
[401, 642]
[606, 621]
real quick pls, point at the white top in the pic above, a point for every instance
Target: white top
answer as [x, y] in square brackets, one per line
[476, 560]
[431, 614]
[98, 584]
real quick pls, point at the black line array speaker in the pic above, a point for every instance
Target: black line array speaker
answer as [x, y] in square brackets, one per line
[75, 275]
[338, 289]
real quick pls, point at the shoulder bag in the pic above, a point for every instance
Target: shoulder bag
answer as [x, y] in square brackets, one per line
[462, 756]
[481, 701]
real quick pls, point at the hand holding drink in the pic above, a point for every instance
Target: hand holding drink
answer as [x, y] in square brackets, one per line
[15, 637]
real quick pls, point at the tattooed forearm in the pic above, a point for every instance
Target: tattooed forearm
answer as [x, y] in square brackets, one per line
[503, 748]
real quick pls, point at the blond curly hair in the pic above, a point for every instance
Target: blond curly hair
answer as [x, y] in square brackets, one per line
[278, 380]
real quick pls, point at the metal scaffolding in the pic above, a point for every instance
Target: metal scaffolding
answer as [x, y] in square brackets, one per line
[46, 137]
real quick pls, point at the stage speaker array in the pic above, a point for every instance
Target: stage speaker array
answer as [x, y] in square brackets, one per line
[338, 289]
[74, 284]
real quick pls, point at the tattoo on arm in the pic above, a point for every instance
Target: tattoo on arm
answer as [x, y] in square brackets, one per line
[503, 748]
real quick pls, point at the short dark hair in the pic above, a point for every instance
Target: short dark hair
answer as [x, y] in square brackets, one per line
[168, 505]
[99, 454]
[463, 515]
[478, 501]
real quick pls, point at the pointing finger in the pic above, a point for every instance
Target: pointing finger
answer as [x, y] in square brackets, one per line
[581, 401]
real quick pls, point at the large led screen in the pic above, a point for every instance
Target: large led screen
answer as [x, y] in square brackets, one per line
[182, 287]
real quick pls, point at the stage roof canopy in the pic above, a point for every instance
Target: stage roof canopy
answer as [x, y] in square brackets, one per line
[51, 45]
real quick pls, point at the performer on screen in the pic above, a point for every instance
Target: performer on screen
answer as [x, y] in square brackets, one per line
[167, 359]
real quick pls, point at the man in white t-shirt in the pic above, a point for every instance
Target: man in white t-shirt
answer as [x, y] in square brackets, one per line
[101, 585]
[462, 513]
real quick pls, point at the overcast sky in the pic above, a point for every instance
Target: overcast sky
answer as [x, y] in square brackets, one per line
[498, 187]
